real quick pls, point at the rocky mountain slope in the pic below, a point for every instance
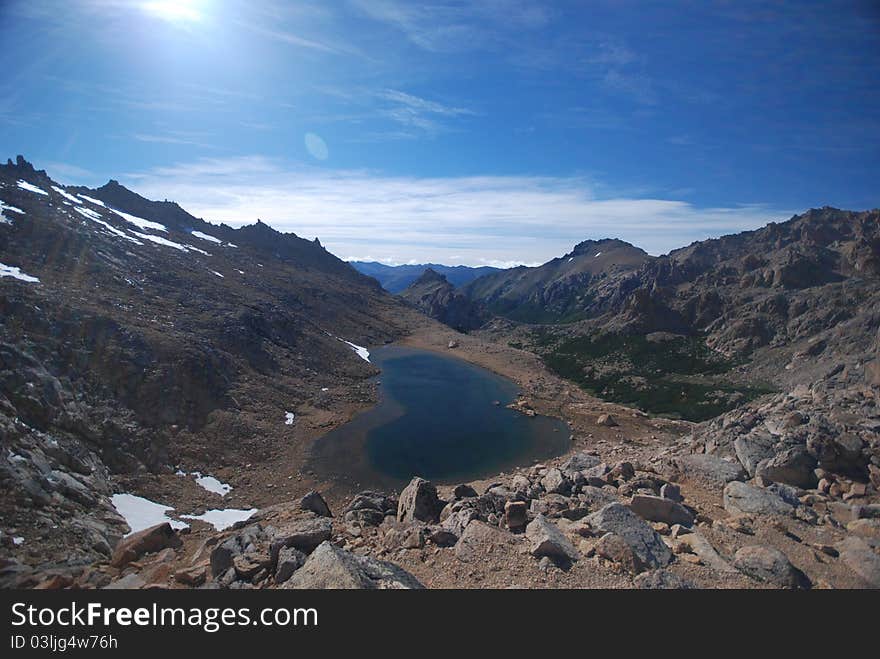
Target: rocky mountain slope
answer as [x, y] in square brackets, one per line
[436, 297]
[395, 278]
[136, 339]
[571, 287]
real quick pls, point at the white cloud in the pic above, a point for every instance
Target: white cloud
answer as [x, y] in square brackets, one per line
[478, 220]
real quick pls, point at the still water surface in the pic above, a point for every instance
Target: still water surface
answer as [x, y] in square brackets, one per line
[439, 417]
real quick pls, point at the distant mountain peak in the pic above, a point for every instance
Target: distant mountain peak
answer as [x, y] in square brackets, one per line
[430, 276]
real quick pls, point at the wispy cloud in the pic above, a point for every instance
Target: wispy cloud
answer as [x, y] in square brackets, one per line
[475, 220]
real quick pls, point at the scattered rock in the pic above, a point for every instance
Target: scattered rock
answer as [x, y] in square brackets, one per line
[546, 539]
[606, 420]
[329, 567]
[646, 543]
[658, 509]
[419, 502]
[770, 565]
[149, 540]
[740, 498]
[314, 502]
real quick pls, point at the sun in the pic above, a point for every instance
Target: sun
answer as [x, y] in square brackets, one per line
[174, 11]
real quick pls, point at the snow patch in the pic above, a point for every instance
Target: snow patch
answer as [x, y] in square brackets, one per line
[140, 222]
[362, 352]
[223, 519]
[18, 541]
[141, 513]
[213, 485]
[196, 249]
[205, 236]
[24, 185]
[598, 254]
[5, 219]
[95, 217]
[15, 273]
[288, 418]
[218, 274]
[65, 194]
[571, 259]
[88, 212]
[160, 240]
[97, 202]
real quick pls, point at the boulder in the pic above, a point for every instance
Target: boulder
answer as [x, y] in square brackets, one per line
[614, 548]
[770, 565]
[515, 514]
[302, 534]
[606, 420]
[478, 540]
[289, 561]
[329, 567]
[858, 556]
[419, 502]
[743, 499]
[661, 580]
[792, 466]
[458, 521]
[546, 539]
[463, 492]
[672, 492]
[646, 543]
[658, 509]
[246, 540]
[314, 502]
[150, 540]
[579, 462]
[555, 482]
[709, 468]
[751, 449]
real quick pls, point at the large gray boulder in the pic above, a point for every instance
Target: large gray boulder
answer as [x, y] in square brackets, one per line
[545, 539]
[419, 502]
[858, 556]
[555, 482]
[478, 540]
[646, 543]
[330, 567]
[740, 498]
[709, 468]
[752, 448]
[792, 466]
[302, 534]
[769, 565]
[660, 509]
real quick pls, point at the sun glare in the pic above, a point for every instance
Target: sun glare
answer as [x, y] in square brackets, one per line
[174, 11]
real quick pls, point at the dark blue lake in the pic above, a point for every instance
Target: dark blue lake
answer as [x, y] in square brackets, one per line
[439, 417]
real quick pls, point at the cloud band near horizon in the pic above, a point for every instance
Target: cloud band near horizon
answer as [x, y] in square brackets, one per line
[476, 220]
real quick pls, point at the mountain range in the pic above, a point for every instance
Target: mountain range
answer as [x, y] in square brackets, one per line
[395, 278]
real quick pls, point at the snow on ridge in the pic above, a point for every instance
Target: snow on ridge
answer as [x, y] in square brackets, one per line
[205, 236]
[159, 240]
[211, 484]
[97, 202]
[218, 274]
[65, 194]
[16, 273]
[196, 249]
[139, 221]
[24, 185]
[223, 519]
[141, 513]
[87, 212]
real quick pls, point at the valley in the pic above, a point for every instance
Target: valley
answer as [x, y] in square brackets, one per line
[709, 417]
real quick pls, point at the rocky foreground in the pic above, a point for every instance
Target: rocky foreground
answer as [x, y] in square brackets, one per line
[782, 494]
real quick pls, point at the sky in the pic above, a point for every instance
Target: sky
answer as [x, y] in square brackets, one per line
[495, 132]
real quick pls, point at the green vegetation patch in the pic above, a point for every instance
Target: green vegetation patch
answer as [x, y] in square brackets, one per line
[674, 376]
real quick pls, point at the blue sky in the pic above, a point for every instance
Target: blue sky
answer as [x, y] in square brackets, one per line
[500, 131]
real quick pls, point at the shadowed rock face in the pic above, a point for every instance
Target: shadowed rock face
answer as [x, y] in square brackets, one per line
[434, 296]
